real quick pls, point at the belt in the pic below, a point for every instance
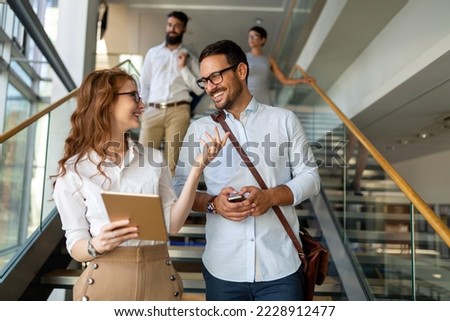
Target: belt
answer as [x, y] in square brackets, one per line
[167, 105]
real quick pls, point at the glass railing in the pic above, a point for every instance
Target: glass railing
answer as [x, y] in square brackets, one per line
[396, 250]
[299, 17]
[24, 181]
[28, 159]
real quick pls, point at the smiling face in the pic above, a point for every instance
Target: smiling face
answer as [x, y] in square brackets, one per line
[226, 93]
[125, 112]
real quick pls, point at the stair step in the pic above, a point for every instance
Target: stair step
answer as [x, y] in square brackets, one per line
[62, 278]
[386, 198]
[384, 237]
[193, 283]
[377, 216]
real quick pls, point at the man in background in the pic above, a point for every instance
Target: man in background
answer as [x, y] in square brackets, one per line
[167, 77]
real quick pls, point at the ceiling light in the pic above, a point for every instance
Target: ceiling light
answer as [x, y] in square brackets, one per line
[425, 135]
[258, 21]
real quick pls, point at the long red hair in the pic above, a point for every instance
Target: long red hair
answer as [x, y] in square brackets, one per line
[91, 125]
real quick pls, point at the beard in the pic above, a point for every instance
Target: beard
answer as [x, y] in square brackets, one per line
[232, 96]
[174, 40]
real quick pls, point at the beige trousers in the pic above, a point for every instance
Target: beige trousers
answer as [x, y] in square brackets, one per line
[130, 274]
[169, 124]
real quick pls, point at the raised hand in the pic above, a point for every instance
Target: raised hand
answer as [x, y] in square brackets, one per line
[211, 148]
[182, 59]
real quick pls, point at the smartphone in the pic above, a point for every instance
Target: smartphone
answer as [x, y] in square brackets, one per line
[232, 197]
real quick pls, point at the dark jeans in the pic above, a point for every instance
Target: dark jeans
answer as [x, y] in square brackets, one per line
[289, 288]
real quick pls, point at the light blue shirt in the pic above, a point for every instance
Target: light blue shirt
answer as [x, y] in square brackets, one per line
[258, 248]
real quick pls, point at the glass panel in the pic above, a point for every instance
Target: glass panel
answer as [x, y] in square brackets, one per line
[21, 73]
[24, 179]
[12, 168]
[292, 42]
[398, 254]
[17, 108]
[27, 161]
[300, 15]
[9, 20]
[432, 259]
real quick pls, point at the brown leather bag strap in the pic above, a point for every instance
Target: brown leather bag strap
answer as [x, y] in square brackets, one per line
[219, 117]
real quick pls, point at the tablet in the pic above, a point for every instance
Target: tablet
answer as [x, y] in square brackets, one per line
[143, 210]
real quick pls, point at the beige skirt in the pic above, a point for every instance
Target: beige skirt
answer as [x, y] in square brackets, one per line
[141, 273]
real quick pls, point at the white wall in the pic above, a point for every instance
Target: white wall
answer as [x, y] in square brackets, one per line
[426, 177]
[400, 50]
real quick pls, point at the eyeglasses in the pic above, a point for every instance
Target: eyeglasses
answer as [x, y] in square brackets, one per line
[215, 78]
[135, 95]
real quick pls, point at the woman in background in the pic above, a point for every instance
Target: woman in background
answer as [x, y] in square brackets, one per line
[262, 66]
[99, 156]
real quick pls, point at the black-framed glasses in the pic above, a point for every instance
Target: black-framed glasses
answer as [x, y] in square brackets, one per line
[135, 95]
[215, 78]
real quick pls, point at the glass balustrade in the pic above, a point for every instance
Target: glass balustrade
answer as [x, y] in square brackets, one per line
[397, 252]
[28, 159]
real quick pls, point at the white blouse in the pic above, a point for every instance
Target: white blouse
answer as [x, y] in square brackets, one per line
[77, 194]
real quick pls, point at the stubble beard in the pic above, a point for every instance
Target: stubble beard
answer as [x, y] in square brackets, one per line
[231, 98]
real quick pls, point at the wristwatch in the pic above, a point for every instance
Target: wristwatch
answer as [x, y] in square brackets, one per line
[92, 251]
[210, 208]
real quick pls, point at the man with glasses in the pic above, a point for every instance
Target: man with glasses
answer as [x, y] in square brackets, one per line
[248, 254]
[167, 78]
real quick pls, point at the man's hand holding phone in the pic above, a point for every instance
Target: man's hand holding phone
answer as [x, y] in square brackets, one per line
[234, 197]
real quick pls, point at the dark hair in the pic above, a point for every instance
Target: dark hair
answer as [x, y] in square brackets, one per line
[262, 32]
[180, 16]
[231, 50]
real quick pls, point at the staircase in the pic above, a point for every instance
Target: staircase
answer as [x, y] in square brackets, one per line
[377, 226]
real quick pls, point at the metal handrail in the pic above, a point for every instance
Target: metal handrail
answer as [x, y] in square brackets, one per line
[431, 217]
[32, 119]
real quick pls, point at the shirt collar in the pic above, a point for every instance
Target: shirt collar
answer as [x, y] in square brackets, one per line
[251, 107]
[134, 147]
[180, 46]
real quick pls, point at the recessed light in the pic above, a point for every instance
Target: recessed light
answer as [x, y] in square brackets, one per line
[425, 135]
[258, 21]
